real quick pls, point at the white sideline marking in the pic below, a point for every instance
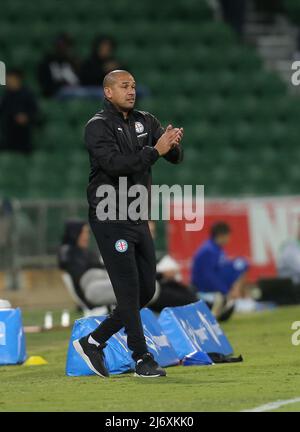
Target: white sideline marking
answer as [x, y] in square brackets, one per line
[273, 405]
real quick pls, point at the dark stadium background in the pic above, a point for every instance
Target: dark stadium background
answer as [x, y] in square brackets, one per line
[229, 86]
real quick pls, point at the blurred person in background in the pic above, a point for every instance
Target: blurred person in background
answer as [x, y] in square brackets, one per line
[288, 262]
[88, 274]
[234, 12]
[18, 114]
[101, 61]
[170, 290]
[59, 69]
[219, 279]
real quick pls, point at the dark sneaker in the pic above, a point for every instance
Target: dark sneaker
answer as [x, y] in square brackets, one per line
[147, 367]
[222, 307]
[227, 311]
[93, 355]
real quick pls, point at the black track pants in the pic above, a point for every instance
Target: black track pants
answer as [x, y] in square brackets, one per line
[128, 253]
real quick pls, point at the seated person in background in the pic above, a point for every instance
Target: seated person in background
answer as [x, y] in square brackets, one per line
[90, 279]
[218, 279]
[101, 61]
[170, 291]
[18, 114]
[59, 69]
[284, 288]
[288, 262]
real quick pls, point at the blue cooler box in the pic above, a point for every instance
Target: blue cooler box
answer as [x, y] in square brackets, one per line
[117, 354]
[12, 337]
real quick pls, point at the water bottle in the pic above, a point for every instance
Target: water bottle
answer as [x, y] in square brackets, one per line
[65, 318]
[48, 321]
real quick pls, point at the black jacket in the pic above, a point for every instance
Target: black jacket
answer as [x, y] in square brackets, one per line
[55, 72]
[122, 148]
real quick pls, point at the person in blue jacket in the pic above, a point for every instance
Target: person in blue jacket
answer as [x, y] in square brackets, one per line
[218, 278]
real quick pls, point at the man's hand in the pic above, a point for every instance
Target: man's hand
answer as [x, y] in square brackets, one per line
[170, 138]
[178, 137]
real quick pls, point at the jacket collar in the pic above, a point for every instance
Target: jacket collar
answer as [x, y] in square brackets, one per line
[108, 106]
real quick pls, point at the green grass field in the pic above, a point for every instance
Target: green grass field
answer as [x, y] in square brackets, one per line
[270, 372]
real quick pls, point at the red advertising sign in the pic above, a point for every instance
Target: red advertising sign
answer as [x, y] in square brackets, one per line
[259, 227]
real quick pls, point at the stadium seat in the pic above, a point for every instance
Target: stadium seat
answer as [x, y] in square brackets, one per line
[198, 75]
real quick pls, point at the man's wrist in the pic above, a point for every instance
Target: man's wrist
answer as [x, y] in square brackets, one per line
[156, 152]
[153, 152]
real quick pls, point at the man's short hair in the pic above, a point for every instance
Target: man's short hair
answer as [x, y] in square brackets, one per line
[219, 228]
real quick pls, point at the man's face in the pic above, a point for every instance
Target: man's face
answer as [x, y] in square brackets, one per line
[105, 49]
[122, 92]
[13, 82]
[84, 237]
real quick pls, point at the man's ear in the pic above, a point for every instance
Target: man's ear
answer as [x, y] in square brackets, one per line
[107, 92]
